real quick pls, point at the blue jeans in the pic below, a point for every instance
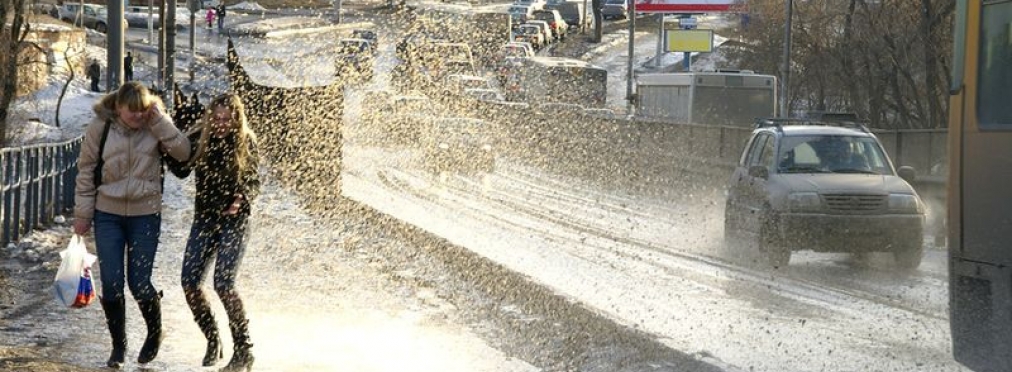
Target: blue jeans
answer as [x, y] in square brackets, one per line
[221, 236]
[129, 240]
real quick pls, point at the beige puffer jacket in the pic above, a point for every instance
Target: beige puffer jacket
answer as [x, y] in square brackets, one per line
[132, 175]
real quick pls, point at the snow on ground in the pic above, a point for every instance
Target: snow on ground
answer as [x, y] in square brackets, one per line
[301, 318]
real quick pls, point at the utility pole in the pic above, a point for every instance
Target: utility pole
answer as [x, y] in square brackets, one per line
[785, 67]
[629, 66]
[161, 44]
[114, 36]
[169, 25]
[660, 40]
[151, 22]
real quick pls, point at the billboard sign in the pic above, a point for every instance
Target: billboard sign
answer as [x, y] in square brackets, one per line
[688, 40]
[686, 6]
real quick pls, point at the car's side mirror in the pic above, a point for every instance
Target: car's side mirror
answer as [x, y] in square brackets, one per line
[907, 173]
[759, 171]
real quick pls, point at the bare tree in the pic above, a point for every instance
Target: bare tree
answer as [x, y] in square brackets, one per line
[11, 43]
[63, 91]
[885, 61]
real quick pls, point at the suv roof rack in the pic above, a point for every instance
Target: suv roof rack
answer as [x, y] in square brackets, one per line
[847, 120]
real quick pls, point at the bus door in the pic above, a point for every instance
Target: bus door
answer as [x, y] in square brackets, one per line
[980, 200]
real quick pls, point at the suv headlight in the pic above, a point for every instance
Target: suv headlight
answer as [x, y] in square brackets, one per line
[904, 203]
[800, 201]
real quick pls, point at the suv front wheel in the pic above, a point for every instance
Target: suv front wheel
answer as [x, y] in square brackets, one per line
[909, 256]
[776, 253]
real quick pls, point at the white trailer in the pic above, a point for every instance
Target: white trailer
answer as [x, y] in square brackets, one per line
[734, 98]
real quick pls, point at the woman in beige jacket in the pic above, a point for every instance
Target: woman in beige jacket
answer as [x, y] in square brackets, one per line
[119, 191]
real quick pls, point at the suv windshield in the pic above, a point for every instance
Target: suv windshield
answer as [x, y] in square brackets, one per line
[831, 154]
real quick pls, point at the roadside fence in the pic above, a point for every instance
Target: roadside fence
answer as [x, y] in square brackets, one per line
[36, 185]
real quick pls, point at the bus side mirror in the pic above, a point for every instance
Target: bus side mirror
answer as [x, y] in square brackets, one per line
[907, 173]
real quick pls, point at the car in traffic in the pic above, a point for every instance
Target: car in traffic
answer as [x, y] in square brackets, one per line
[559, 27]
[546, 29]
[405, 118]
[353, 61]
[520, 13]
[484, 95]
[531, 33]
[366, 34]
[459, 144]
[821, 184]
[602, 113]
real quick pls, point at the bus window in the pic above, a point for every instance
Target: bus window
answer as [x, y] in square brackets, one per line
[993, 110]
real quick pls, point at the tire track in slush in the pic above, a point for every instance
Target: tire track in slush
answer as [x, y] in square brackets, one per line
[676, 263]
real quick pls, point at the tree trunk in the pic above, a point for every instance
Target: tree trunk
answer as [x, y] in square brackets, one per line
[10, 44]
[598, 20]
[63, 91]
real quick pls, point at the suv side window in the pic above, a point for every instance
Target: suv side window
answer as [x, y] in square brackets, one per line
[766, 158]
[755, 152]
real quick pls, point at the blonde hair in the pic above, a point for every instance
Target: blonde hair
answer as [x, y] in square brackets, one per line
[245, 138]
[132, 95]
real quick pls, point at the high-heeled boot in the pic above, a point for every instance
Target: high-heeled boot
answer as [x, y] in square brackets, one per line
[242, 357]
[152, 312]
[205, 320]
[115, 318]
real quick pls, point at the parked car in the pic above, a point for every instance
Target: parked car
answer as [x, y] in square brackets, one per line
[823, 185]
[459, 144]
[353, 61]
[89, 15]
[615, 9]
[559, 27]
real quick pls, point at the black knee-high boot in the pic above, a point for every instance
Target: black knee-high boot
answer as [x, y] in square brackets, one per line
[242, 357]
[115, 317]
[152, 312]
[205, 320]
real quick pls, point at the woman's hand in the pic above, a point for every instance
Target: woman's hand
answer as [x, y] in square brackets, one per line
[153, 115]
[81, 227]
[233, 208]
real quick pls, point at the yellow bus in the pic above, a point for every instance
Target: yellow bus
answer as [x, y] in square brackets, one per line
[980, 170]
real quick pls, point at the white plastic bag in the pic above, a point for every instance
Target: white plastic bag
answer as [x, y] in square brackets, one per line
[68, 287]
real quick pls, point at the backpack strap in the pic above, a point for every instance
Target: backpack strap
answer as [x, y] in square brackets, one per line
[101, 149]
[100, 163]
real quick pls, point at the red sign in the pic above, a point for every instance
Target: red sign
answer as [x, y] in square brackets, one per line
[687, 6]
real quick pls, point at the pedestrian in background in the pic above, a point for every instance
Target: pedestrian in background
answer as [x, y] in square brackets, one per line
[128, 67]
[225, 161]
[220, 13]
[94, 73]
[123, 201]
[210, 17]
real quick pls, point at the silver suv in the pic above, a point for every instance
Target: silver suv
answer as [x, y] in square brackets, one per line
[821, 185]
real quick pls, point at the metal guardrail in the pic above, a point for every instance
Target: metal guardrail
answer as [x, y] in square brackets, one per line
[36, 184]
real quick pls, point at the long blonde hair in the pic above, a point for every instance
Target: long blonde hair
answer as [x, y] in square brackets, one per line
[244, 136]
[132, 95]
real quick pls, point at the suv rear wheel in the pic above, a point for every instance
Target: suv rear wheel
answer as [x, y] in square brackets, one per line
[101, 27]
